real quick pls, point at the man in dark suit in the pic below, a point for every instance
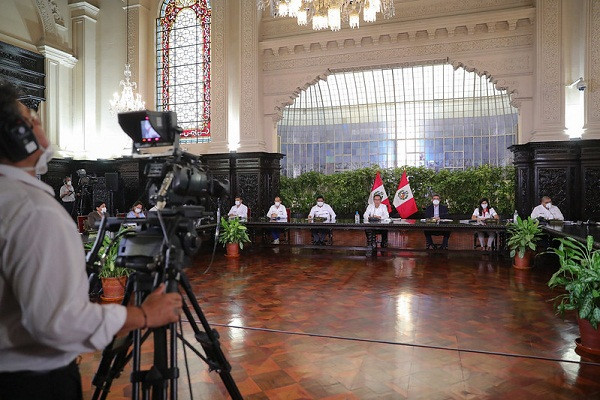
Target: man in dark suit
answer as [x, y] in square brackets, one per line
[437, 211]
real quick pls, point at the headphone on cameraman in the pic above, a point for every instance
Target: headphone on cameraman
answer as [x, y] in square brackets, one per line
[17, 140]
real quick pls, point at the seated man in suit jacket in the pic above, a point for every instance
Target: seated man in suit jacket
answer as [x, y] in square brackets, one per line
[436, 211]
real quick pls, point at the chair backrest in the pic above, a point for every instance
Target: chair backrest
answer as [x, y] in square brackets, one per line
[289, 214]
[248, 216]
[81, 219]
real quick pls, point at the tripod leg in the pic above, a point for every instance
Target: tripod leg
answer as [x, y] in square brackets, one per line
[209, 340]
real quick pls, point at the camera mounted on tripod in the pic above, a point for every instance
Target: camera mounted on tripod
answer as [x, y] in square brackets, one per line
[161, 244]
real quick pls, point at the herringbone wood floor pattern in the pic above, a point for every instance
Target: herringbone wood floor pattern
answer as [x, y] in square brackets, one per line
[320, 324]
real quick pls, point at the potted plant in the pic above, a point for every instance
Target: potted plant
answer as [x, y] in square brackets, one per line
[113, 277]
[579, 275]
[233, 236]
[524, 235]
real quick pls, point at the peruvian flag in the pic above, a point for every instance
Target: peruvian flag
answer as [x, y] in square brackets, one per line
[380, 190]
[403, 200]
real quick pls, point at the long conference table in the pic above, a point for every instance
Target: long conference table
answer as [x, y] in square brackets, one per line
[578, 231]
[393, 226]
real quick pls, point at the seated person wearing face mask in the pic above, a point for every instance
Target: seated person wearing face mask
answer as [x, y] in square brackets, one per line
[321, 210]
[96, 215]
[277, 213]
[546, 210]
[481, 213]
[376, 211]
[436, 211]
[136, 211]
[238, 210]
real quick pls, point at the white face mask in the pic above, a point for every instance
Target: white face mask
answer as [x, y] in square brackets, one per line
[436, 202]
[103, 210]
[68, 183]
[138, 210]
[548, 205]
[320, 203]
[277, 203]
[41, 166]
[484, 205]
[237, 202]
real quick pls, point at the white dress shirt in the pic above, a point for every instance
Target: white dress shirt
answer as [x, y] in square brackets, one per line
[380, 211]
[46, 318]
[280, 211]
[325, 211]
[487, 213]
[69, 198]
[552, 213]
[240, 211]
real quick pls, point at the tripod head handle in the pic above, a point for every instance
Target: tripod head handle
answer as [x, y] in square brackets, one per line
[92, 256]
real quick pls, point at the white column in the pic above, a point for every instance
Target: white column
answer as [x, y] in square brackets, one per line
[549, 121]
[138, 52]
[219, 112]
[233, 51]
[592, 70]
[57, 109]
[573, 34]
[83, 25]
[251, 132]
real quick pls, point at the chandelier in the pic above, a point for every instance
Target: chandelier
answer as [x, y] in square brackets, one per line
[329, 13]
[127, 100]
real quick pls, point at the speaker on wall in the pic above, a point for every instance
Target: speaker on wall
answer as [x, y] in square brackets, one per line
[112, 181]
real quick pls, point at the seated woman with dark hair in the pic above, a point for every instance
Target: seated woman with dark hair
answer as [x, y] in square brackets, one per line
[481, 213]
[96, 215]
[137, 211]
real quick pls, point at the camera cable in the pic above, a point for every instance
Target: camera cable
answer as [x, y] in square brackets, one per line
[217, 231]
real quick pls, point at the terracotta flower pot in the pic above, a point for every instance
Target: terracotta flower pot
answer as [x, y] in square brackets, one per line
[233, 250]
[590, 337]
[113, 289]
[525, 262]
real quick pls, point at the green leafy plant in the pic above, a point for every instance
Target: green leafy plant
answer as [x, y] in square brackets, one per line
[108, 255]
[233, 231]
[348, 191]
[524, 235]
[579, 275]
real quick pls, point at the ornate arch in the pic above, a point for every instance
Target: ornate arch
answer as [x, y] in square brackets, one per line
[511, 86]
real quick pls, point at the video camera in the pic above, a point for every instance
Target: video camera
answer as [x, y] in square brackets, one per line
[157, 248]
[180, 178]
[178, 181]
[84, 179]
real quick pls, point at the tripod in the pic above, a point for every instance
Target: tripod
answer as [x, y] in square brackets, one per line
[160, 381]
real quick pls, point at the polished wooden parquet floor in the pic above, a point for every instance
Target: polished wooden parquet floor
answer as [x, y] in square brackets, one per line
[322, 324]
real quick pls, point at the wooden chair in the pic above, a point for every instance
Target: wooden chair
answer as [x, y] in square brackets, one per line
[82, 223]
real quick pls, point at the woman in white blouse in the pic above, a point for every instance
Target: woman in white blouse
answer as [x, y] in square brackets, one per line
[481, 213]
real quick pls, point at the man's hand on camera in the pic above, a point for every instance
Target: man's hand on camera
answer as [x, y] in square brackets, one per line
[162, 308]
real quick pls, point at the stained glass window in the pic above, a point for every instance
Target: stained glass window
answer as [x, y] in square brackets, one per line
[183, 65]
[422, 115]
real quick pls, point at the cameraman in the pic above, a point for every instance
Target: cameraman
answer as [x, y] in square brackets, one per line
[67, 195]
[46, 318]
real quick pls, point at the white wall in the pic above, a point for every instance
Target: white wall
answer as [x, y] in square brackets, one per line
[531, 48]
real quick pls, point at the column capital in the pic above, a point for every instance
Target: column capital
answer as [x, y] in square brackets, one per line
[83, 9]
[54, 54]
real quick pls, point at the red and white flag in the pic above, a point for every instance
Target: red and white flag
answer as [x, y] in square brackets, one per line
[380, 190]
[403, 200]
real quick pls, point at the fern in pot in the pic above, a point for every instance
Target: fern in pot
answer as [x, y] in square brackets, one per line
[113, 277]
[579, 276]
[233, 236]
[524, 235]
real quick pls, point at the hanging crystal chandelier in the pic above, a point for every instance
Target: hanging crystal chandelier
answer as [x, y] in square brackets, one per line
[329, 13]
[127, 100]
